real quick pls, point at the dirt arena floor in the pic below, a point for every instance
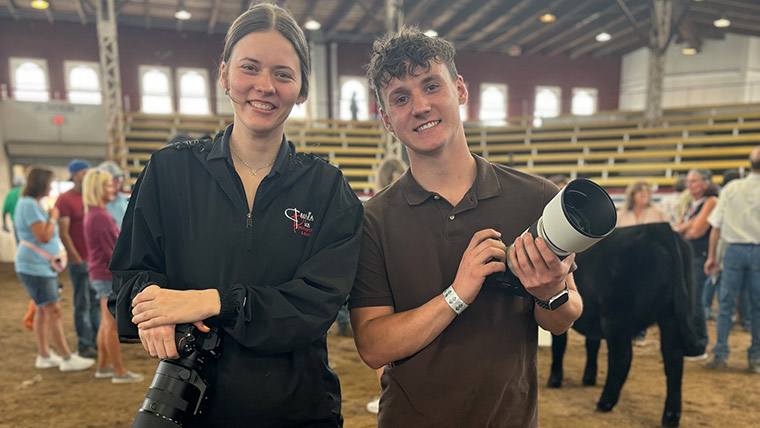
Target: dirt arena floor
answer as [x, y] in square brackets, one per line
[49, 398]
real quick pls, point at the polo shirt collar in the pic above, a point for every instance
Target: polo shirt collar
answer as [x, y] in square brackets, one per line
[221, 150]
[486, 184]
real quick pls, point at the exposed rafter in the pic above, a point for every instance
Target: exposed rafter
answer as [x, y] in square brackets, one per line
[214, 16]
[11, 9]
[503, 37]
[632, 20]
[341, 9]
[487, 24]
[369, 15]
[588, 36]
[80, 12]
[308, 10]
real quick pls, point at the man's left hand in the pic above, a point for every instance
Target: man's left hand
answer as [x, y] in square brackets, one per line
[538, 268]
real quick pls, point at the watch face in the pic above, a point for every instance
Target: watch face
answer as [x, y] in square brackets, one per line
[559, 301]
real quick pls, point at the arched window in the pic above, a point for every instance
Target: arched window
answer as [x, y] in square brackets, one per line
[298, 112]
[493, 103]
[547, 103]
[584, 101]
[193, 91]
[353, 99]
[30, 80]
[155, 89]
[83, 83]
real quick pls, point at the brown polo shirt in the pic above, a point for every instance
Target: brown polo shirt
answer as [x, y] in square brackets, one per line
[481, 370]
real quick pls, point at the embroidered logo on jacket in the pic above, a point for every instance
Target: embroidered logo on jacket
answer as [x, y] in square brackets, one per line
[301, 221]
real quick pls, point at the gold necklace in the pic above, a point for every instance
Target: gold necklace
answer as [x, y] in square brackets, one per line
[253, 170]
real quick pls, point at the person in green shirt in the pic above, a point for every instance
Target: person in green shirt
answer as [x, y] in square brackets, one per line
[9, 206]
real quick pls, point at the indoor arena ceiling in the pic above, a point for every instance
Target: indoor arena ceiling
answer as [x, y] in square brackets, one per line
[511, 26]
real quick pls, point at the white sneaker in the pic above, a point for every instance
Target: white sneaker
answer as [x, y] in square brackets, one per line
[374, 406]
[129, 377]
[76, 363]
[54, 360]
[696, 357]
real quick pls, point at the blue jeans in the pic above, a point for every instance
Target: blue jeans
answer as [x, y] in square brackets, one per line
[708, 293]
[741, 268]
[699, 321]
[86, 307]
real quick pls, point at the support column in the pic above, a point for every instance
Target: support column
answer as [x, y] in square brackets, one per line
[108, 46]
[394, 15]
[658, 41]
[394, 20]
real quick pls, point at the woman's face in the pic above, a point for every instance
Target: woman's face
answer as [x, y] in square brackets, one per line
[641, 198]
[109, 191]
[696, 185]
[264, 78]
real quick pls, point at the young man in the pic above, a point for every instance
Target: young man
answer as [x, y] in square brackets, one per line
[457, 353]
[71, 222]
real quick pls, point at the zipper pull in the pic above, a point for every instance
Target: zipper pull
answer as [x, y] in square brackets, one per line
[248, 221]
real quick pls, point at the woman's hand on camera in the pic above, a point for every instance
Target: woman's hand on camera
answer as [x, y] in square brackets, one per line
[156, 306]
[161, 341]
[538, 268]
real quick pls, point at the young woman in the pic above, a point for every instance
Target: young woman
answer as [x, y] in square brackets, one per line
[100, 233]
[248, 236]
[39, 247]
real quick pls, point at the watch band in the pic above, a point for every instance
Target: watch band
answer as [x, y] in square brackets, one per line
[555, 301]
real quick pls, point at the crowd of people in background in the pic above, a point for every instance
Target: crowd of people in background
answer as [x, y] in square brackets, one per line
[77, 227]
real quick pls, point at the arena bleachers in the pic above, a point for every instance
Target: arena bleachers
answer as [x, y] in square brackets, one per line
[611, 148]
[357, 147]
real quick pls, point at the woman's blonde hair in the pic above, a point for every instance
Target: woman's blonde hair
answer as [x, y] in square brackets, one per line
[631, 190]
[92, 187]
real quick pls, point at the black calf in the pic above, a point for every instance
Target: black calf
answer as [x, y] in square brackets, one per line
[635, 277]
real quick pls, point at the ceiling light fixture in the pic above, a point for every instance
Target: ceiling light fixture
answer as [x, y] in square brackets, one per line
[689, 51]
[182, 14]
[722, 22]
[547, 17]
[603, 37]
[312, 25]
[431, 33]
[40, 4]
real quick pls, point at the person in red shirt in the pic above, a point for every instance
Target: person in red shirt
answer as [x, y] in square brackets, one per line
[100, 233]
[86, 309]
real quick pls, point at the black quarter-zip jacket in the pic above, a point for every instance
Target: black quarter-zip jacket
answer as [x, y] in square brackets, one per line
[282, 271]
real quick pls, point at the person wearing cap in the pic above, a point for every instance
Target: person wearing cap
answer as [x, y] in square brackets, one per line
[118, 206]
[71, 223]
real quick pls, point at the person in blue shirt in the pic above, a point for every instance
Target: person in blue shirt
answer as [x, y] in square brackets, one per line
[37, 231]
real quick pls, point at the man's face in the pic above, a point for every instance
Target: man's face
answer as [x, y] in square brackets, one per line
[78, 176]
[423, 110]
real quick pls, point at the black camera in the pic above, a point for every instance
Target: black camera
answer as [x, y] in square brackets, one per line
[177, 389]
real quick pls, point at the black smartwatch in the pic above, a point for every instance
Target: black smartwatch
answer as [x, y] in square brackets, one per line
[556, 301]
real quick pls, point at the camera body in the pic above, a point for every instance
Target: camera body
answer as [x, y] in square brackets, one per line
[177, 389]
[579, 216]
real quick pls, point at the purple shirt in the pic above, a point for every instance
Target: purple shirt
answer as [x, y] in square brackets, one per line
[100, 233]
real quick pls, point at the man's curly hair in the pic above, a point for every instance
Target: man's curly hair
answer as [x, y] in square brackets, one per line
[406, 52]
